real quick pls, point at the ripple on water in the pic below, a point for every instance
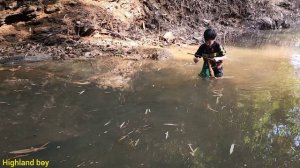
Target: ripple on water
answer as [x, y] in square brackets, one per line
[295, 60]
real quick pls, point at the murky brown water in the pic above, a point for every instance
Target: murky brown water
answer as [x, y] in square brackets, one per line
[257, 108]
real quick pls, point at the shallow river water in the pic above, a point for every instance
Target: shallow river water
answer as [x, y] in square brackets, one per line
[168, 118]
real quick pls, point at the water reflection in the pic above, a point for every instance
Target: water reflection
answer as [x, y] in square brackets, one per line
[295, 60]
[285, 37]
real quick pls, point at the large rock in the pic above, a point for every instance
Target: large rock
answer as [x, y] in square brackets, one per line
[21, 14]
[19, 18]
[285, 25]
[265, 23]
[281, 24]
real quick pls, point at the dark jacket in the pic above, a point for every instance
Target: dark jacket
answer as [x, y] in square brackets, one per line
[215, 50]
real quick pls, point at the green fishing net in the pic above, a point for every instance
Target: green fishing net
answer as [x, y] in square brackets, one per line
[205, 70]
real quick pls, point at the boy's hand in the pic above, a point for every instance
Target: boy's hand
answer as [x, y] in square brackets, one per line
[196, 60]
[216, 59]
[219, 65]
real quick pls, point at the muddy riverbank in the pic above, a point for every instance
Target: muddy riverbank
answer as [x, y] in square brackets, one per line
[66, 29]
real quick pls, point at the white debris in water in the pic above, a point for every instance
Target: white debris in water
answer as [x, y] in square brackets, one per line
[231, 148]
[107, 123]
[136, 142]
[167, 134]
[297, 44]
[81, 164]
[293, 149]
[82, 83]
[295, 60]
[218, 94]
[121, 126]
[217, 101]
[209, 108]
[123, 137]
[193, 151]
[170, 124]
[147, 111]
[80, 93]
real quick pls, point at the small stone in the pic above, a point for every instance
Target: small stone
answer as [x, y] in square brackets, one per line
[206, 22]
[169, 37]
[29, 9]
[13, 5]
[87, 54]
[69, 48]
[40, 30]
[71, 55]
[52, 8]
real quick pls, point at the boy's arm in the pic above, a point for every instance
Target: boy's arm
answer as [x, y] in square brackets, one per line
[199, 52]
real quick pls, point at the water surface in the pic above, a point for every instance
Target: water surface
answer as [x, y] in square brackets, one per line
[168, 107]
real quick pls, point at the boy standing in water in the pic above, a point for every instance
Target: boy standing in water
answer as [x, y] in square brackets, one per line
[213, 55]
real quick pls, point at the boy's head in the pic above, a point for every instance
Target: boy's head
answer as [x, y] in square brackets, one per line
[210, 36]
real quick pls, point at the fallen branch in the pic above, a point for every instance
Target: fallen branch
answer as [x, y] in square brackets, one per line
[209, 108]
[29, 150]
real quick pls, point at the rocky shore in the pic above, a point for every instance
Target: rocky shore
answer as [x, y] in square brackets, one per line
[66, 29]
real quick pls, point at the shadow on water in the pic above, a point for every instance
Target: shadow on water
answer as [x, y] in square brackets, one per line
[152, 125]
